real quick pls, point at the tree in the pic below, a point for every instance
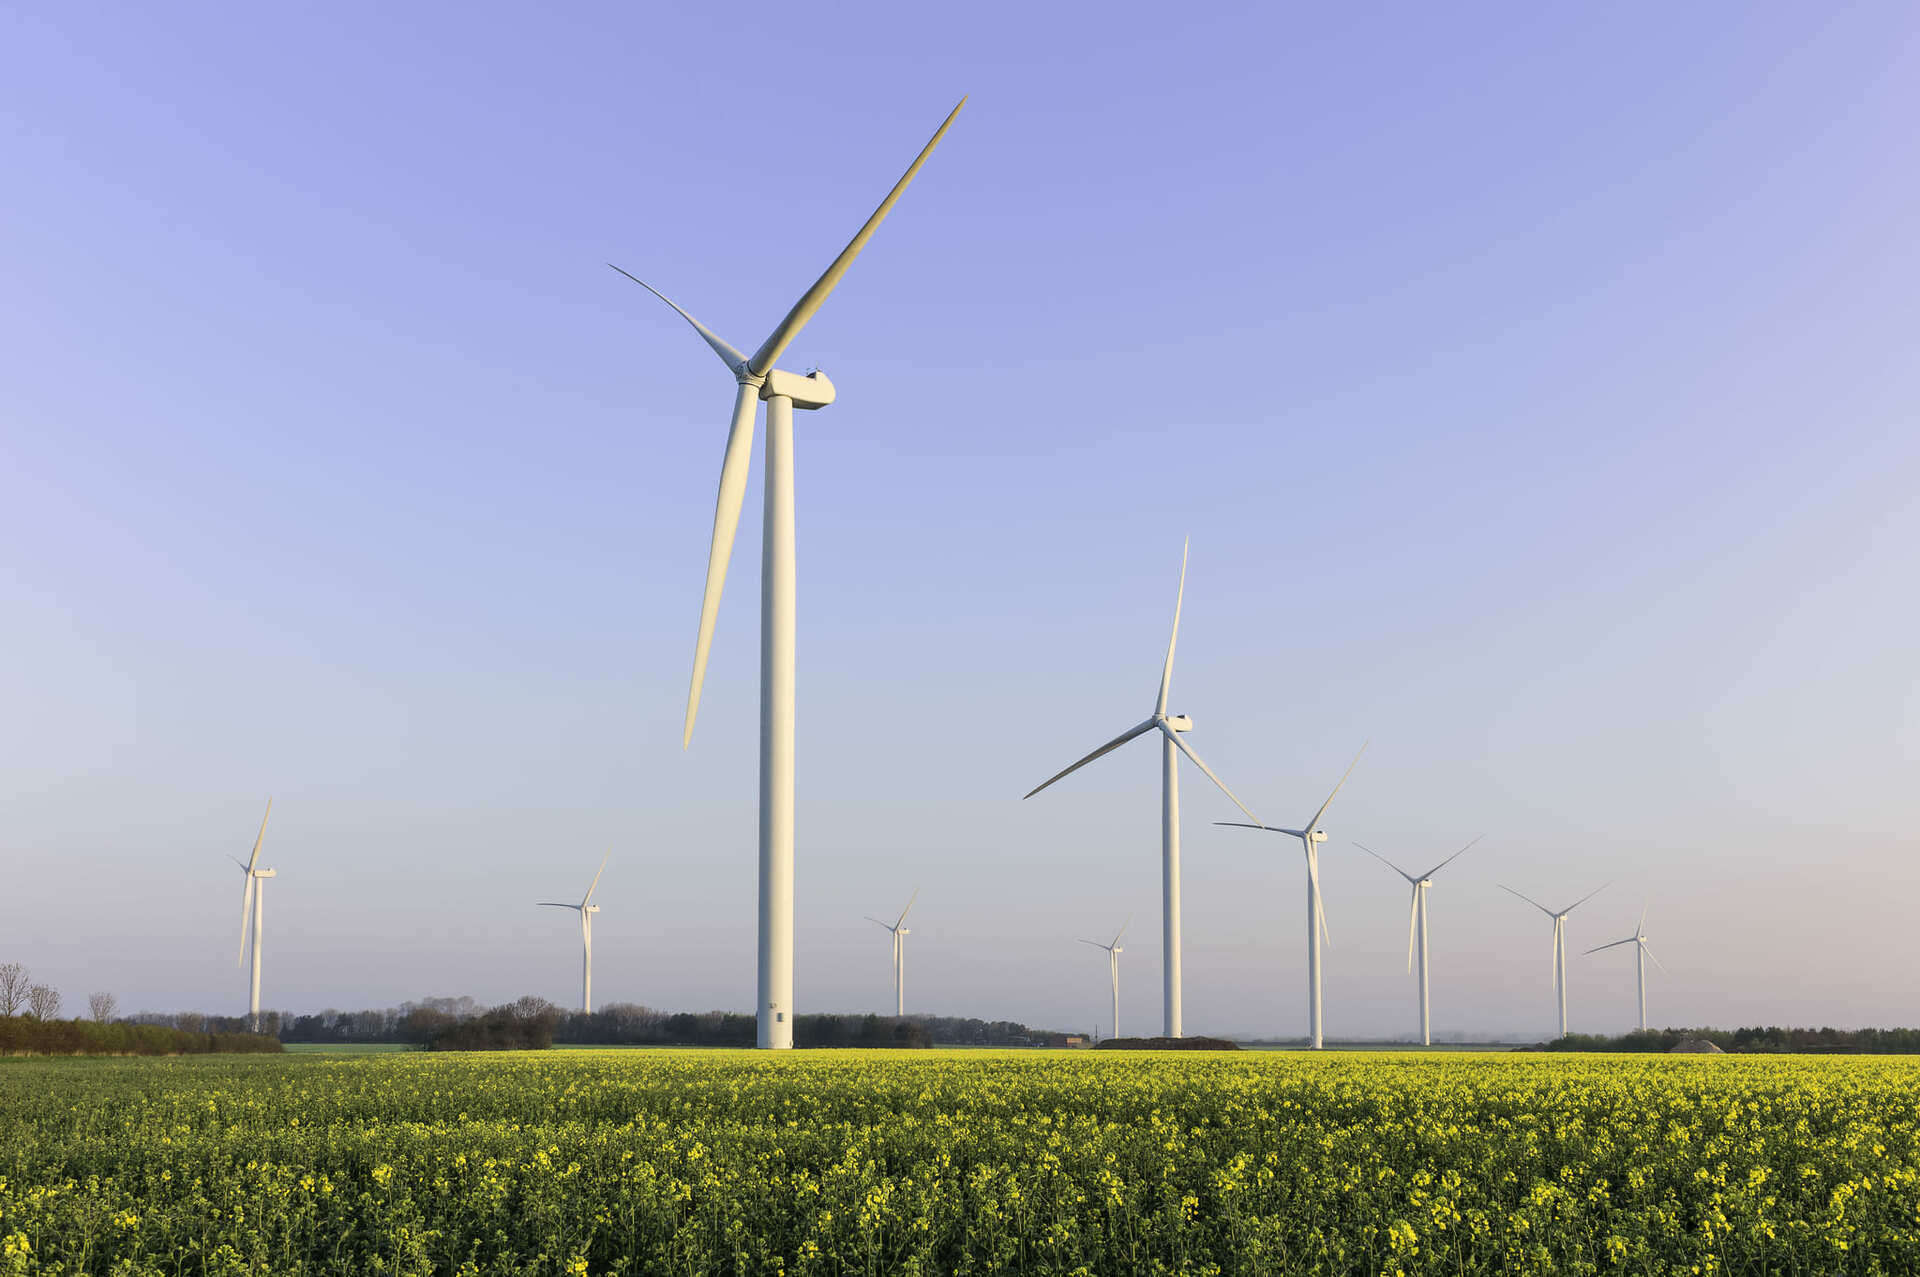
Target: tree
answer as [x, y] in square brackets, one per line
[13, 987]
[43, 1001]
[100, 1006]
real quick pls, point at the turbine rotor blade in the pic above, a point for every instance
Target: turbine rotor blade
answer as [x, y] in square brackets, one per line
[555, 904]
[1095, 943]
[246, 916]
[1122, 931]
[1388, 863]
[595, 884]
[728, 355]
[1582, 900]
[1319, 904]
[1615, 945]
[1455, 856]
[877, 921]
[904, 912]
[1166, 671]
[259, 838]
[1413, 914]
[1656, 962]
[1530, 900]
[726, 522]
[1315, 822]
[1187, 749]
[810, 302]
[1111, 745]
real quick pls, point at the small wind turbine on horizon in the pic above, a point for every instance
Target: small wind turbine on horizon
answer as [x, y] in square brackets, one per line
[1170, 727]
[587, 909]
[253, 904]
[1113, 970]
[1417, 921]
[900, 933]
[756, 378]
[1641, 953]
[1559, 943]
[1310, 839]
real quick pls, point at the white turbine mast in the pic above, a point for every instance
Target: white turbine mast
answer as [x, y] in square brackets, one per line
[1171, 747]
[253, 907]
[1114, 951]
[1559, 944]
[1640, 955]
[587, 909]
[757, 378]
[1417, 922]
[900, 932]
[1310, 839]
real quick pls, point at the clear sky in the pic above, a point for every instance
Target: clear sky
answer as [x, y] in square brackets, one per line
[1536, 383]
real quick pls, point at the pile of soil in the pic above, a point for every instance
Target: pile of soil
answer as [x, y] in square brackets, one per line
[1165, 1044]
[1696, 1046]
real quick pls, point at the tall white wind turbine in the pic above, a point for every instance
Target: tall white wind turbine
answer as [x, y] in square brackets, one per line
[1170, 727]
[1417, 922]
[587, 909]
[252, 907]
[1640, 955]
[900, 933]
[1113, 971]
[1559, 944]
[1310, 839]
[756, 378]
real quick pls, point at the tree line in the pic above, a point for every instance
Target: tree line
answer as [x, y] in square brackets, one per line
[1755, 1040]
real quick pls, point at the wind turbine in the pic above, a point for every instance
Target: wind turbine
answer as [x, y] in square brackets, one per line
[1641, 953]
[1559, 943]
[1113, 969]
[587, 909]
[253, 902]
[756, 378]
[900, 933]
[1171, 727]
[1310, 839]
[1417, 921]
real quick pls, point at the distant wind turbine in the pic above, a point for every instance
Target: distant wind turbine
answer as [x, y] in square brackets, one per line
[1417, 921]
[1170, 727]
[1641, 953]
[1113, 970]
[1559, 943]
[253, 902]
[900, 933]
[587, 909]
[1310, 839]
[756, 378]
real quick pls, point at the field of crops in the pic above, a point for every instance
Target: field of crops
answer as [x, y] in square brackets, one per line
[959, 1162]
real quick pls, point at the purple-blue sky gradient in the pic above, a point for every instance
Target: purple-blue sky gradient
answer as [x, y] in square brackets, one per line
[1537, 385]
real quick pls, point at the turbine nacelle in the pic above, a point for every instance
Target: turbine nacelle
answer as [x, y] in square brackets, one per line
[260, 873]
[1176, 722]
[811, 391]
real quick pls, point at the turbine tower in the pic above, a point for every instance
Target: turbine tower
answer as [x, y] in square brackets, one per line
[1641, 953]
[1417, 921]
[1171, 727]
[1113, 969]
[1559, 944]
[587, 909]
[1310, 839]
[900, 933]
[253, 903]
[756, 378]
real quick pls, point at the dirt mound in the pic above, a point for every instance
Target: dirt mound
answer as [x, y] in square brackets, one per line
[1695, 1046]
[1166, 1044]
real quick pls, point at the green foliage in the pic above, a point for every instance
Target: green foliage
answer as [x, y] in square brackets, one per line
[1771, 1040]
[25, 1035]
[826, 1162]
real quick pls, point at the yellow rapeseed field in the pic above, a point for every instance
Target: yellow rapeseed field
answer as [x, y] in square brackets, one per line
[693, 1162]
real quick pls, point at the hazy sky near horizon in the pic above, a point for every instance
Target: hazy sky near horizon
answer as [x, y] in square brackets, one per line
[1536, 385]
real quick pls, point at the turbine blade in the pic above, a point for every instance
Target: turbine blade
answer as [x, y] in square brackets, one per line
[1319, 904]
[1640, 928]
[259, 838]
[1166, 671]
[903, 913]
[1187, 749]
[1455, 856]
[810, 302]
[1615, 945]
[1413, 913]
[1656, 962]
[1582, 900]
[1111, 745]
[595, 884]
[246, 916]
[555, 904]
[877, 921]
[726, 522]
[728, 355]
[1315, 822]
[1388, 863]
[1095, 943]
[1530, 900]
[1241, 824]
[1122, 931]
